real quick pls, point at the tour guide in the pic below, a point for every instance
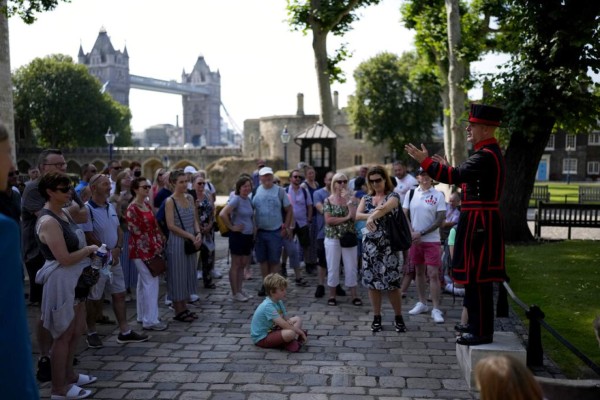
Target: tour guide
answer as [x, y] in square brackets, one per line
[479, 251]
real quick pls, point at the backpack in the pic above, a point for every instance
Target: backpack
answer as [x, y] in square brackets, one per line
[223, 229]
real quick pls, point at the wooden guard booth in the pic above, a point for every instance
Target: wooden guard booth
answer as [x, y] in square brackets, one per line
[318, 149]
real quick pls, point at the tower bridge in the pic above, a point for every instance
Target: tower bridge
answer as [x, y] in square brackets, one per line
[200, 89]
[158, 85]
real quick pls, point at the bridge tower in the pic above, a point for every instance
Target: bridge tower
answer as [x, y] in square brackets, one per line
[202, 112]
[110, 66]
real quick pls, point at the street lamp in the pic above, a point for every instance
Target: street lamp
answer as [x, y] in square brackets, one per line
[110, 140]
[285, 139]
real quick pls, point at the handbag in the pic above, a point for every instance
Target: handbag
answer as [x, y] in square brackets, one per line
[398, 231]
[189, 247]
[348, 239]
[188, 244]
[156, 265]
[303, 234]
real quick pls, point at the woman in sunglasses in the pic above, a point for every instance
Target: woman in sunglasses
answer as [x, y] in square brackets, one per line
[206, 213]
[339, 211]
[381, 266]
[66, 287]
[145, 242]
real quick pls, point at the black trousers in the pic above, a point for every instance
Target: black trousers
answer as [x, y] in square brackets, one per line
[33, 266]
[479, 300]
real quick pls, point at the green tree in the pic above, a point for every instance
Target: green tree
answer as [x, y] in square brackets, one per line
[396, 100]
[450, 53]
[323, 17]
[63, 103]
[26, 9]
[545, 86]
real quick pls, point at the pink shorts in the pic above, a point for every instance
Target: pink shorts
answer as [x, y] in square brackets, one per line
[425, 253]
[274, 339]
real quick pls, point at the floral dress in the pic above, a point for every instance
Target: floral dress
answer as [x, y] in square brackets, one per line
[145, 240]
[381, 266]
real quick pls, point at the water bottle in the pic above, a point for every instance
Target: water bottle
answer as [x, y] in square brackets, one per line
[100, 259]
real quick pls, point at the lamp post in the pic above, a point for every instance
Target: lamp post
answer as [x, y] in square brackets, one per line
[110, 140]
[285, 139]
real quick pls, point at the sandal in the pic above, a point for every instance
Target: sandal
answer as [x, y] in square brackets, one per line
[75, 392]
[83, 379]
[332, 302]
[184, 316]
[357, 302]
[301, 282]
[192, 314]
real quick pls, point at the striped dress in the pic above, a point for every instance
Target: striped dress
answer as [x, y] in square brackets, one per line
[181, 267]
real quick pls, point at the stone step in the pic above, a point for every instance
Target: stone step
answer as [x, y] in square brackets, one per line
[504, 343]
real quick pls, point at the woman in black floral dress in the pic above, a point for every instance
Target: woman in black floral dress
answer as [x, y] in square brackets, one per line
[381, 266]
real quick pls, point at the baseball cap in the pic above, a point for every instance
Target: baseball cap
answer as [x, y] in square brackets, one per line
[190, 170]
[265, 171]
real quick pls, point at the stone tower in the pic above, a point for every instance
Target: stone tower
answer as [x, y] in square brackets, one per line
[110, 66]
[202, 112]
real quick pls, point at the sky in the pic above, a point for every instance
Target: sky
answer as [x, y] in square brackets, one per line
[263, 64]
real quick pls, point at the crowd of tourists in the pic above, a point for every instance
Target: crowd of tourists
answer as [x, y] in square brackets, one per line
[100, 238]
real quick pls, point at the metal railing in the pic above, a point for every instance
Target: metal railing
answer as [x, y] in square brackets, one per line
[535, 351]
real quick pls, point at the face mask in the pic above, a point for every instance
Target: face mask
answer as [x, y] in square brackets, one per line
[137, 174]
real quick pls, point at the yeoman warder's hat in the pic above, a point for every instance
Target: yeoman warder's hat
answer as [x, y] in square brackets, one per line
[485, 115]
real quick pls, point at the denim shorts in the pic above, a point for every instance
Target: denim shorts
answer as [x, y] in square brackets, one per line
[268, 246]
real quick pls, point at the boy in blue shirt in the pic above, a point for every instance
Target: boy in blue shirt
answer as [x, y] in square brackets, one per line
[271, 327]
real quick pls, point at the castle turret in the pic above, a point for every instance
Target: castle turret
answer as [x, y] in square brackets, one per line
[108, 65]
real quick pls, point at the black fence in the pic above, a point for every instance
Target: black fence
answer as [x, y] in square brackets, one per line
[535, 351]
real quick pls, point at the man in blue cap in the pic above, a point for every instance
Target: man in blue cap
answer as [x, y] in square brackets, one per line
[479, 252]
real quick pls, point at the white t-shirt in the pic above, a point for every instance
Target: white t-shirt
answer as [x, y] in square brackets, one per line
[404, 185]
[423, 209]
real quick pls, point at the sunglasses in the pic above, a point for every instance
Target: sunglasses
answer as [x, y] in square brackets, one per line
[117, 168]
[342, 182]
[63, 189]
[145, 186]
[372, 181]
[297, 177]
[200, 183]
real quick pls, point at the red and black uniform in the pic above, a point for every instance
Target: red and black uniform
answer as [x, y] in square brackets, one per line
[479, 251]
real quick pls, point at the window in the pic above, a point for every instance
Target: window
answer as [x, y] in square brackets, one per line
[593, 168]
[358, 135]
[550, 144]
[594, 139]
[571, 142]
[570, 166]
[358, 159]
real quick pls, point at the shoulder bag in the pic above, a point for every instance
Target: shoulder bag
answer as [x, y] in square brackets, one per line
[156, 265]
[398, 230]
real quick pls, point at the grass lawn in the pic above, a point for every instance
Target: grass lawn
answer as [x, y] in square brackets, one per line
[563, 279]
[561, 192]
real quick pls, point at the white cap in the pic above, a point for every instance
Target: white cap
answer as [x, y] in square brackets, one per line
[265, 171]
[190, 170]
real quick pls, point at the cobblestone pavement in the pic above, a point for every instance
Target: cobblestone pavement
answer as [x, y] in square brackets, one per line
[214, 358]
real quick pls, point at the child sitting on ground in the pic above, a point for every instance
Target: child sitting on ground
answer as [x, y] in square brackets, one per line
[271, 327]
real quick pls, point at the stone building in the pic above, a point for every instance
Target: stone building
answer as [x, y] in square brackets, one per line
[201, 112]
[262, 138]
[110, 66]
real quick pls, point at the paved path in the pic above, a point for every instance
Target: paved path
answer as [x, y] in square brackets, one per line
[214, 358]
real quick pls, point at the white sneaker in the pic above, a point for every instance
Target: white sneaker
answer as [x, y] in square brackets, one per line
[437, 316]
[168, 302]
[216, 274]
[240, 297]
[246, 295]
[194, 298]
[419, 308]
[198, 275]
[459, 292]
